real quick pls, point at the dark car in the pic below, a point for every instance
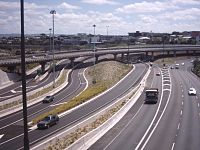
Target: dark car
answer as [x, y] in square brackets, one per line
[48, 122]
[48, 99]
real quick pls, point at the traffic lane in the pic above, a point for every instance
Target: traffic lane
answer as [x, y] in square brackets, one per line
[75, 116]
[32, 85]
[165, 133]
[189, 135]
[127, 133]
[72, 89]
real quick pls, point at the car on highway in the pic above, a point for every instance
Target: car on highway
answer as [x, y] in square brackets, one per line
[158, 74]
[48, 122]
[48, 99]
[192, 91]
[182, 64]
[172, 67]
[177, 66]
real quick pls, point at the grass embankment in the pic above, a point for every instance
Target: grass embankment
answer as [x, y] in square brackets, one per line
[37, 94]
[196, 67]
[106, 74]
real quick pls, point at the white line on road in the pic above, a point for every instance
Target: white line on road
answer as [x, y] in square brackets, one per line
[122, 129]
[1, 136]
[198, 104]
[178, 126]
[196, 97]
[13, 91]
[182, 102]
[181, 112]
[173, 146]
[182, 96]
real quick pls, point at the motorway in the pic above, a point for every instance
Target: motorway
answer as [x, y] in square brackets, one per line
[16, 89]
[14, 139]
[172, 123]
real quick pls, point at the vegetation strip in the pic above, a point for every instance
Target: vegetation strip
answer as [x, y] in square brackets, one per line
[103, 82]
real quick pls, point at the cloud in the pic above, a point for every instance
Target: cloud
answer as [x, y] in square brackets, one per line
[100, 2]
[184, 14]
[145, 7]
[67, 6]
[9, 5]
[187, 2]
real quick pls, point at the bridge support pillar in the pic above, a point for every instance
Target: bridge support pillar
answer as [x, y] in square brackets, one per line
[96, 59]
[122, 55]
[12, 68]
[194, 52]
[127, 56]
[72, 62]
[174, 53]
[115, 56]
[168, 53]
[146, 54]
[152, 55]
[43, 66]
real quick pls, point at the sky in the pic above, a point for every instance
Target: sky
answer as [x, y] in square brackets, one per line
[115, 17]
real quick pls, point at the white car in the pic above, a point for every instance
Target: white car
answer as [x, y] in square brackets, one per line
[192, 91]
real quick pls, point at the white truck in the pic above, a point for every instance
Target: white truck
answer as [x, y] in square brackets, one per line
[151, 95]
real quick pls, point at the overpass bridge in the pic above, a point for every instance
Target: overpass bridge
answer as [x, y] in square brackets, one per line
[164, 51]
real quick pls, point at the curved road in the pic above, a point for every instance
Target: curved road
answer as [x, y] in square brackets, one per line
[77, 115]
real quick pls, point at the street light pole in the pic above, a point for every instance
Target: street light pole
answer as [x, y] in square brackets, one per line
[94, 80]
[128, 48]
[53, 12]
[163, 47]
[50, 39]
[107, 30]
[23, 69]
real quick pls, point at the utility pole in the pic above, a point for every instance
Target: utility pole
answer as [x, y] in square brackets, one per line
[23, 68]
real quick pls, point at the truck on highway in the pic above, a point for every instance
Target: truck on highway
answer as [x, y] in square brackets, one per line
[151, 95]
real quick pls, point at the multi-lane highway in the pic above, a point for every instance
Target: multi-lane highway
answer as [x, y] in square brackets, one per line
[16, 140]
[173, 123]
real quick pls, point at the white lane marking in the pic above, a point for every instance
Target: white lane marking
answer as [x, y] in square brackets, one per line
[173, 146]
[181, 112]
[198, 104]
[182, 96]
[58, 104]
[161, 97]
[178, 126]
[125, 127]
[28, 87]
[182, 102]
[166, 90]
[13, 91]
[1, 136]
[196, 97]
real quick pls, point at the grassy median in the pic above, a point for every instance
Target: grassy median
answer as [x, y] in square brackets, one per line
[106, 74]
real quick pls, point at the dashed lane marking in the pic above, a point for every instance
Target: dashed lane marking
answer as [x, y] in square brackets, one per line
[178, 126]
[181, 113]
[13, 91]
[173, 146]
[1, 136]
